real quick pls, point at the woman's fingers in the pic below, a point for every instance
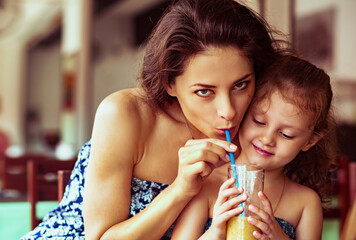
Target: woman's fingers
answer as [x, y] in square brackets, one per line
[229, 147]
[212, 151]
[197, 159]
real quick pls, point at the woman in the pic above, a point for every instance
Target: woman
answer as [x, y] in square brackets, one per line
[152, 147]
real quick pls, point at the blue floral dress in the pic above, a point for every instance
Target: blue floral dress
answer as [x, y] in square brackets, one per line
[66, 220]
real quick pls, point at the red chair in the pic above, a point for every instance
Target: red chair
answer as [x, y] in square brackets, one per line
[4, 142]
[42, 182]
[13, 173]
[63, 180]
[341, 190]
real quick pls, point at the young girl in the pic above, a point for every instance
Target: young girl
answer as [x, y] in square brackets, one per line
[288, 131]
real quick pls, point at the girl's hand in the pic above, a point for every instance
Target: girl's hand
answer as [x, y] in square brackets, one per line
[197, 159]
[226, 207]
[268, 224]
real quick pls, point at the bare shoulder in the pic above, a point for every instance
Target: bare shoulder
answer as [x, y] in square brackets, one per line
[124, 112]
[302, 193]
[120, 127]
[306, 211]
[116, 146]
[124, 104]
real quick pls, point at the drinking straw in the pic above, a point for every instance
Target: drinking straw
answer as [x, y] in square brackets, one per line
[233, 166]
[232, 159]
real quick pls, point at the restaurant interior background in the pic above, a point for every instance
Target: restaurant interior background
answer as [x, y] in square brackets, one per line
[60, 58]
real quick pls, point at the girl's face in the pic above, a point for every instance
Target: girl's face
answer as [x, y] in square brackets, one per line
[215, 91]
[274, 132]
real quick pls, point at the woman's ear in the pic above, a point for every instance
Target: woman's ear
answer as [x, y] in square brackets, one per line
[171, 89]
[314, 138]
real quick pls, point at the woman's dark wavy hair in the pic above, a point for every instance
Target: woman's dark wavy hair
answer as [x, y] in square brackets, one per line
[190, 27]
[307, 87]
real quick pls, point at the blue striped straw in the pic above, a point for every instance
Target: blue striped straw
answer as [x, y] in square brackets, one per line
[233, 166]
[232, 159]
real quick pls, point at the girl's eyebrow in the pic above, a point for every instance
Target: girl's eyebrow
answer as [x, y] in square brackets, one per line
[212, 86]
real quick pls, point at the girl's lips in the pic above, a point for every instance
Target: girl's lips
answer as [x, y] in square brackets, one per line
[262, 152]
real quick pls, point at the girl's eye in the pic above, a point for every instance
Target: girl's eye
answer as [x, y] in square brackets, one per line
[241, 85]
[203, 92]
[287, 136]
[258, 122]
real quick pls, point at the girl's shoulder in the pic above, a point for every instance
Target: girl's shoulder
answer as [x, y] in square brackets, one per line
[302, 198]
[306, 215]
[301, 192]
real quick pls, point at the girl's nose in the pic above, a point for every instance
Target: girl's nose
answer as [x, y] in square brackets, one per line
[226, 109]
[267, 138]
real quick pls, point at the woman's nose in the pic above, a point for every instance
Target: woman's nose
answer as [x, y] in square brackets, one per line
[226, 109]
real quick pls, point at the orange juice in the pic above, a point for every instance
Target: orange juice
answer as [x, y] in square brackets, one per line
[238, 228]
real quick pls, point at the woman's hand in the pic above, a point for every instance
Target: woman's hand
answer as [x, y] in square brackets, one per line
[197, 159]
[268, 224]
[226, 207]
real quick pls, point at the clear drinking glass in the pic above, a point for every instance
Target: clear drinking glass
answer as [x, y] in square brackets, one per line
[251, 179]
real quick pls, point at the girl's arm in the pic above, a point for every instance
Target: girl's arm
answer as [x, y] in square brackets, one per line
[268, 224]
[310, 225]
[226, 207]
[116, 148]
[191, 223]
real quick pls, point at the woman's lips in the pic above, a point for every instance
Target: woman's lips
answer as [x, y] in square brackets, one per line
[221, 131]
[262, 152]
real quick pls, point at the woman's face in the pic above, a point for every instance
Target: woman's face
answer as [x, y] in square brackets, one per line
[215, 91]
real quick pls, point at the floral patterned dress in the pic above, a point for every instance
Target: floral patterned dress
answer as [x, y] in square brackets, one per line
[66, 220]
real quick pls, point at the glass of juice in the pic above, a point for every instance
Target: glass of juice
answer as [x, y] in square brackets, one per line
[251, 179]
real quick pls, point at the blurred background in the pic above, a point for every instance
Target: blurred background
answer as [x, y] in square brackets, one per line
[60, 58]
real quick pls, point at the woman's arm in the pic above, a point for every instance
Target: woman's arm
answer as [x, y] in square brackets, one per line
[116, 148]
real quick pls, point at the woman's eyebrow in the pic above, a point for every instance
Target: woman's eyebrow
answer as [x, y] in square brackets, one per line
[244, 77]
[212, 86]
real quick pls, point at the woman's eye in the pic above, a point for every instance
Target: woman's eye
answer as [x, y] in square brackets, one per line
[241, 85]
[203, 92]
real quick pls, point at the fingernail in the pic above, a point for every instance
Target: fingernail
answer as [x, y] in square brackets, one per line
[227, 157]
[233, 147]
